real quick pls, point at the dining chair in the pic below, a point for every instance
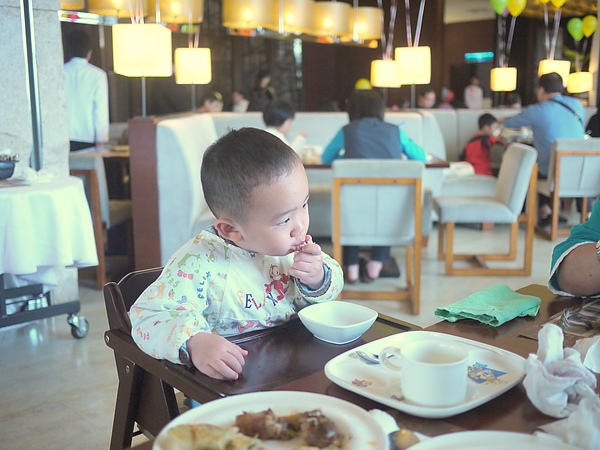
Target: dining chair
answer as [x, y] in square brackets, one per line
[143, 398]
[516, 186]
[106, 213]
[379, 202]
[574, 172]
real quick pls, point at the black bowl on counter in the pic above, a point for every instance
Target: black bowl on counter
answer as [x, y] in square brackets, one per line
[6, 169]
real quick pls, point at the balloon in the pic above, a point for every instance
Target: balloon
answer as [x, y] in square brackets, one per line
[363, 84]
[505, 13]
[499, 5]
[544, 1]
[574, 26]
[558, 3]
[516, 7]
[589, 25]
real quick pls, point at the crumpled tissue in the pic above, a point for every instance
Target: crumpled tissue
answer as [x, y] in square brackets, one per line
[34, 176]
[560, 385]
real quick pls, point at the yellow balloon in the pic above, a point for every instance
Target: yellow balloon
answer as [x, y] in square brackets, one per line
[363, 84]
[589, 25]
[544, 1]
[516, 7]
[558, 3]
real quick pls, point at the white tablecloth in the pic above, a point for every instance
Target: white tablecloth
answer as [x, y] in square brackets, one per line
[45, 225]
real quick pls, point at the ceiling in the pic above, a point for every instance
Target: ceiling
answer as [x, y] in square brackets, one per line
[473, 10]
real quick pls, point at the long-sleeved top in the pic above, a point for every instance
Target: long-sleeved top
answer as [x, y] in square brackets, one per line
[549, 120]
[296, 144]
[392, 148]
[87, 101]
[211, 285]
[582, 233]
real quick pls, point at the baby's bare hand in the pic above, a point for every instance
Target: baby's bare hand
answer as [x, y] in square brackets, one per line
[215, 356]
[308, 265]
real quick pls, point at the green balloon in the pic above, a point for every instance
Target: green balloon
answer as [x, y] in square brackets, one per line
[575, 28]
[499, 5]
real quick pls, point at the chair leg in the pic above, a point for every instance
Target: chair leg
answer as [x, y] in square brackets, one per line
[128, 395]
[449, 247]
[440, 241]
[584, 209]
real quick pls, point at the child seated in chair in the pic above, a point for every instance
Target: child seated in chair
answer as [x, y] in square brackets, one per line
[252, 269]
[477, 150]
[279, 117]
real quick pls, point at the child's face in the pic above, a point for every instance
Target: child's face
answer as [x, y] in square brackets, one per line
[277, 219]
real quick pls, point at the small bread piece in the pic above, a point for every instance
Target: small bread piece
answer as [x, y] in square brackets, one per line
[209, 437]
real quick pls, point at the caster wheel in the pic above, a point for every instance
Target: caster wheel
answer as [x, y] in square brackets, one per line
[79, 326]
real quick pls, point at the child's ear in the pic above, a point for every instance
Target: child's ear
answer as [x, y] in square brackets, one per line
[228, 229]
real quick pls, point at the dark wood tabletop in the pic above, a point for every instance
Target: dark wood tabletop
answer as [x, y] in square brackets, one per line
[269, 368]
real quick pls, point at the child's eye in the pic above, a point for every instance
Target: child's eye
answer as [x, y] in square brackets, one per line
[285, 222]
[305, 205]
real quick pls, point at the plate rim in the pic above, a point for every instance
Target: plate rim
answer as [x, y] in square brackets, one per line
[423, 411]
[318, 400]
[476, 434]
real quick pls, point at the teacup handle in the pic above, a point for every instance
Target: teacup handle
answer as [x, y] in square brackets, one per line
[385, 357]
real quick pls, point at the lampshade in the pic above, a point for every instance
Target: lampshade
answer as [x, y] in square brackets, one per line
[296, 16]
[384, 73]
[247, 14]
[332, 19]
[142, 50]
[414, 65]
[116, 8]
[178, 11]
[369, 23]
[192, 66]
[554, 65]
[503, 78]
[72, 5]
[580, 82]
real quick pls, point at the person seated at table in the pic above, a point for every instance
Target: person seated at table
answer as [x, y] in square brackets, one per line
[279, 118]
[368, 136]
[575, 269]
[477, 150]
[211, 102]
[254, 268]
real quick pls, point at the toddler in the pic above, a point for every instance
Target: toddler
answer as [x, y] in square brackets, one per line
[253, 268]
[279, 117]
[477, 150]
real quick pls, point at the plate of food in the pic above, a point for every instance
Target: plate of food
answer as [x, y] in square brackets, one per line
[275, 420]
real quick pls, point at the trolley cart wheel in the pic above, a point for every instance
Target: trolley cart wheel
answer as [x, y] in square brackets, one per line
[79, 325]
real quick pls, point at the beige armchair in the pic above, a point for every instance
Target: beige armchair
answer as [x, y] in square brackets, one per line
[379, 202]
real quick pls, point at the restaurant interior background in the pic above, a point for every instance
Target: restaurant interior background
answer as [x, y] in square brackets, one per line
[305, 71]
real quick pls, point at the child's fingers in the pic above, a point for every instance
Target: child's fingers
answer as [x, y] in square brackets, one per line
[311, 249]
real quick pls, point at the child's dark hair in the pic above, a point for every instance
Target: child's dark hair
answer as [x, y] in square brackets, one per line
[78, 44]
[277, 112]
[551, 82]
[211, 97]
[486, 119]
[365, 103]
[237, 163]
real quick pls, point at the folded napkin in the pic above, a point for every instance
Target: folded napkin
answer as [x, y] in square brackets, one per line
[494, 306]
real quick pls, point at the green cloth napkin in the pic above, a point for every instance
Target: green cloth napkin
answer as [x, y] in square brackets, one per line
[494, 306]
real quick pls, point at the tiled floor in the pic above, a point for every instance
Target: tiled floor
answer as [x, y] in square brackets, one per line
[57, 392]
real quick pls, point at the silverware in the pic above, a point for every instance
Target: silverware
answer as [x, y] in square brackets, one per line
[402, 439]
[369, 359]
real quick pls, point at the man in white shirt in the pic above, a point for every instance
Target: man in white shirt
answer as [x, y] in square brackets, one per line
[474, 94]
[87, 94]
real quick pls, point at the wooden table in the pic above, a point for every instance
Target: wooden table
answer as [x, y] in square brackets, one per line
[433, 163]
[511, 411]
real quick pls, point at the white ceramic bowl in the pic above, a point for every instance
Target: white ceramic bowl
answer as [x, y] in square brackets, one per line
[337, 322]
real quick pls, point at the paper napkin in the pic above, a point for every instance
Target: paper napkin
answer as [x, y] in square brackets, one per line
[494, 306]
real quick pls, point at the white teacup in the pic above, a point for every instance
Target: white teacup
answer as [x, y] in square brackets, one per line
[433, 371]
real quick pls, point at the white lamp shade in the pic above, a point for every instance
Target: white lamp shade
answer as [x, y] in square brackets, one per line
[192, 66]
[554, 65]
[414, 65]
[503, 79]
[116, 8]
[384, 73]
[296, 16]
[247, 14]
[332, 19]
[369, 23]
[142, 50]
[178, 11]
[71, 5]
[580, 82]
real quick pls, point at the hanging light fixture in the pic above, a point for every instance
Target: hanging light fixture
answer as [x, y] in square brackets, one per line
[366, 23]
[118, 8]
[292, 16]
[193, 66]
[579, 82]
[178, 11]
[247, 14]
[384, 73]
[503, 78]
[332, 19]
[554, 65]
[72, 5]
[414, 65]
[142, 50]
